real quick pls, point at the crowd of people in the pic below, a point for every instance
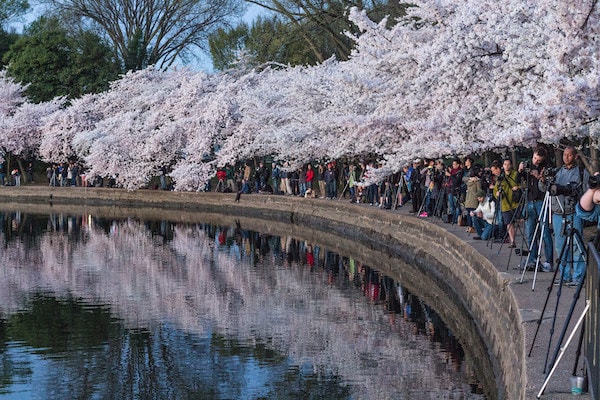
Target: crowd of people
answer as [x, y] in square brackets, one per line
[490, 201]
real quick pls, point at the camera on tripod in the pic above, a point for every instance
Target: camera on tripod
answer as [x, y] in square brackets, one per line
[550, 173]
[572, 189]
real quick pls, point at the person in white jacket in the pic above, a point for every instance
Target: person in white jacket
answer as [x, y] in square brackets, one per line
[483, 216]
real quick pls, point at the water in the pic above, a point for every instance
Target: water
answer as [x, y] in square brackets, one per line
[129, 309]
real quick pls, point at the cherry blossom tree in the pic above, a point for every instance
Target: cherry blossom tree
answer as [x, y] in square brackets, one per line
[470, 76]
[57, 144]
[20, 131]
[451, 78]
[147, 118]
[11, 95]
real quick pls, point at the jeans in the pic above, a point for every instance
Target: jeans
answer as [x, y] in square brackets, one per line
[331, 192]
[484, 229]
[427, 200]
[534, 210]
[453, 207]
[574, 257]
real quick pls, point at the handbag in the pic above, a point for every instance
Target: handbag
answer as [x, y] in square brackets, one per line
[516, 195]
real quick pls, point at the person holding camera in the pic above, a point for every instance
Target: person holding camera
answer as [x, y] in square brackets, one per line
[454, 175]
[506, 185]
[530, 173]
[563, 186]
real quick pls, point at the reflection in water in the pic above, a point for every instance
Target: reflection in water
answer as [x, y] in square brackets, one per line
[94, 308]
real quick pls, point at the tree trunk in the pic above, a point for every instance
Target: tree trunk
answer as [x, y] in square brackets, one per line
[23, 172]
[594, 164]
[558, 156]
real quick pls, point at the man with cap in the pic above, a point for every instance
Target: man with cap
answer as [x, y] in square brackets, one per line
[483, 216]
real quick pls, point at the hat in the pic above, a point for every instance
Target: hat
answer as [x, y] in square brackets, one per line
[417, 161]
[480, 193]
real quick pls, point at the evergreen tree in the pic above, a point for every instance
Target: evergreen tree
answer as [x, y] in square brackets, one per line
[56, 63]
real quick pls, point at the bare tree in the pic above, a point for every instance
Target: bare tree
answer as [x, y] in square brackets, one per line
[154, 32]
[322, 24]
[10, 9]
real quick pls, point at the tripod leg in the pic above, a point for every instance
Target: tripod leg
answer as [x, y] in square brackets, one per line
[558, 294]
[539, 321]
[562, 352]
[569, 315]
[579, 346]
[343, 191]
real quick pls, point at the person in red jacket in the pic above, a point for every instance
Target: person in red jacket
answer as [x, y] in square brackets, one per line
[310, 174]
[221, 176]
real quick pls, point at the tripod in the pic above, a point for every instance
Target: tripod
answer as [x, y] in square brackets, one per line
[401, 186]
[343, 191]
[540, 227]
[426, 199]
[440, 205]
[497, 220]
[580, 321]
[566, 257]
[514, 223]
[438, 208]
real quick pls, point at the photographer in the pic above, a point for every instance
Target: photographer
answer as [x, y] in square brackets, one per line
[563, 185]
[455, 176]
[588, 207]
[473, 185]
[415, 184]
[428, 184]
[506, 185]
[530, 174]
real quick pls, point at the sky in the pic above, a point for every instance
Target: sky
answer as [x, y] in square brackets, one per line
[203, 61]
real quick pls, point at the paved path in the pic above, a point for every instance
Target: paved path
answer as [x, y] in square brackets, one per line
[531, 303]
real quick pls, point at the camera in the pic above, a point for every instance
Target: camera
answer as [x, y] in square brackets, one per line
[526, 166]
[550, 172]
[573, 189]
[594, 182]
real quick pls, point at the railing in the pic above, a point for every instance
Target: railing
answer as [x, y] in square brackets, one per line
[592, 321]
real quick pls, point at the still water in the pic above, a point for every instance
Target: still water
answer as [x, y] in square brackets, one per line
[94, 308]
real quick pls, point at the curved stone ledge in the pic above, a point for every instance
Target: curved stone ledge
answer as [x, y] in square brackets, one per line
[457, 281]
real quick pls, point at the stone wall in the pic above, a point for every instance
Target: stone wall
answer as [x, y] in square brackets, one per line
[450, 276]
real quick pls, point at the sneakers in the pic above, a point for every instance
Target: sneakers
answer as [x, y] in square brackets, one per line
[573, 283]
[565, 282]
[547, 267]
[529, 267]
[476, 238]
[424, 214]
